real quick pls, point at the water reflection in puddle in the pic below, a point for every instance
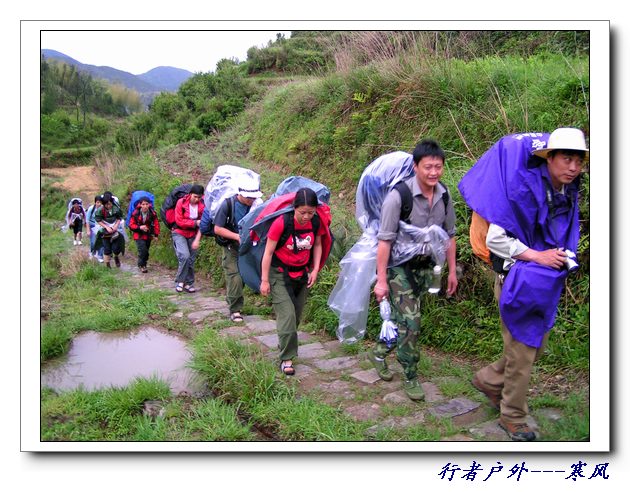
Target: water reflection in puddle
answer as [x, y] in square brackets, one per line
[98, 360]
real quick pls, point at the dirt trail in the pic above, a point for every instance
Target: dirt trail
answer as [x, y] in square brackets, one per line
[82, 181]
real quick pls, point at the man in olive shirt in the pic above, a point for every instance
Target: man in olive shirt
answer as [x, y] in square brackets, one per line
[405, 284]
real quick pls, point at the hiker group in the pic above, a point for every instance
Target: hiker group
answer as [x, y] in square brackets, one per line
[524, 196]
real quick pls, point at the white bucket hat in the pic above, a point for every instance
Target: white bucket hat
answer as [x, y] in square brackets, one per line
[564, 139]
[249, 187]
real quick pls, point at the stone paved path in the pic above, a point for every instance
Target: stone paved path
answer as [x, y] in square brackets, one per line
[328, 372]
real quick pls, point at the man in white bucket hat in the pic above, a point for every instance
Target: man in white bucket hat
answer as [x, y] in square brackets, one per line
[534, 229]
[226, 220]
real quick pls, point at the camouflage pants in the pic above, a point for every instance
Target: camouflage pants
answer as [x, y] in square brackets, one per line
[405, 305]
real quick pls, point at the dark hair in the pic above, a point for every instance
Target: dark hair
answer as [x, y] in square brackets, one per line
[580, 153]
[106, 199]
[305, 196]
[75, 202]
[427, 148]
[196, 189]
[98, 198]
[108, 196]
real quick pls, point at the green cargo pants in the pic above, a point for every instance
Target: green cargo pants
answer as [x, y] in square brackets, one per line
[288, 313]
[405, 305]
[233, 280]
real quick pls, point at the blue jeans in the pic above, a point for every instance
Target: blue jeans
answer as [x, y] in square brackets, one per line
[92, 241]
[186, 259]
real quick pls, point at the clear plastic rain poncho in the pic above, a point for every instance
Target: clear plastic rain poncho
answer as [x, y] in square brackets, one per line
[71, 216]
[351, 295]
[225, 183]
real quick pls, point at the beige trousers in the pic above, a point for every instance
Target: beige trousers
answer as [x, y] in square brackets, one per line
[510, 375]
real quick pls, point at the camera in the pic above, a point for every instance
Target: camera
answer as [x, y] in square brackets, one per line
[570, 261]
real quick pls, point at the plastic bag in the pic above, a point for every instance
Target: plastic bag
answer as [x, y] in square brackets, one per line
[70, 217]
[389, 330]
[351, 295]
[377, 179]
[224, 184]
[415, 241]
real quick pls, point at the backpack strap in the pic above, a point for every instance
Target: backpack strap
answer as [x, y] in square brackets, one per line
[230, 217]
[445, 198]
[406, 200]
[289, 229]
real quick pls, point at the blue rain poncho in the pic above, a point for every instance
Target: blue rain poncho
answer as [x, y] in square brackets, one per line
[512, 189]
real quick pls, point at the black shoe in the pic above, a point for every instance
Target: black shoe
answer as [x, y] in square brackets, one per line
[117, 261]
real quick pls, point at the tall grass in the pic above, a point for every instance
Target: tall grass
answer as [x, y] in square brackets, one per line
[240, 373]
[115, 414]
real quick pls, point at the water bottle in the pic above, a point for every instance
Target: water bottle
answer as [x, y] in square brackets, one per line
[385, 309]
[436, 283]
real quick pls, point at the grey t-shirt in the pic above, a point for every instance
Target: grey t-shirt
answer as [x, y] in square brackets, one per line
[421, 215]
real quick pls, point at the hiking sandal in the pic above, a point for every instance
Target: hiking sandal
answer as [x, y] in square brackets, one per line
[179, 287]
[286, 367]
[236, 317]
[189, 288]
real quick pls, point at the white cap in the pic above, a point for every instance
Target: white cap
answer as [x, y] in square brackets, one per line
[249, 187]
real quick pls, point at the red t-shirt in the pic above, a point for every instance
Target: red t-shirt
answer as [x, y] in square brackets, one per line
[305, 242]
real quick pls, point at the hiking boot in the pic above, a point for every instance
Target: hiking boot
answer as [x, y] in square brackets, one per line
[108, 264]
[517, 432]
[117, 261]
[381, 367]
[413, 389]
[493, 397]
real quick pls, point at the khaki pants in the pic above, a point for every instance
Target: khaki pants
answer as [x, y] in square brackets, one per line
[288, 313]
[233, 280]
[510, 375]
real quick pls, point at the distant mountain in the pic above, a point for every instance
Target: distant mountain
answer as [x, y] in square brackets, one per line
[154, 81]
[166, 78]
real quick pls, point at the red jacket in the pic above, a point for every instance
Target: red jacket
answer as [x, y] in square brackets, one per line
[184, 225]
[136, 221]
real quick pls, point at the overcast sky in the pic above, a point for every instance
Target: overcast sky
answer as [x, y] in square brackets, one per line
[139, 51]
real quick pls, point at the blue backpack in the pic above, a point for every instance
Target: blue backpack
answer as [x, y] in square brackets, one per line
[134, 203]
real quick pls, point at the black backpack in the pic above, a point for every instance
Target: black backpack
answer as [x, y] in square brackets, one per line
[207, 224]
[167, 211]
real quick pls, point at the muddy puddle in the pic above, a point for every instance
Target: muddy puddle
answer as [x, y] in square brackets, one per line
[99, 360]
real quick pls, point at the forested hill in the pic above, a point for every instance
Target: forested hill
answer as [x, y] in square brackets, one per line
[155, 80]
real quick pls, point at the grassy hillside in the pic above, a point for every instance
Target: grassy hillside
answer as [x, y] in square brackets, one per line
[329, 128]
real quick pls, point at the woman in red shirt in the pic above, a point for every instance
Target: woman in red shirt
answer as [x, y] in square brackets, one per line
[187, 219]
[289, 267]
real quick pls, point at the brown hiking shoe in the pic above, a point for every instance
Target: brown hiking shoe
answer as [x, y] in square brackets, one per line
[517, 432]
[493, 396]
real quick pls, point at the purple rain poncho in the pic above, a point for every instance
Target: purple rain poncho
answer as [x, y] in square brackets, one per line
[508, 189]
